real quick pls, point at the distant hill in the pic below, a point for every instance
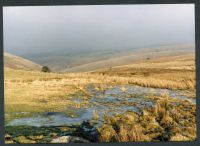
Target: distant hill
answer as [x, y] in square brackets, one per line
[143, 54]
[16, 62]
[60, 60]
[79, 60]
[170, 64]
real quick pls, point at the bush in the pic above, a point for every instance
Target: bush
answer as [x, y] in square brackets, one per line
[45, 69]
[147, 58]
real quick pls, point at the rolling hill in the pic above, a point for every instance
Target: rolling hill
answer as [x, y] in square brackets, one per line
[16, 62]
[90, 60]
[144, 54]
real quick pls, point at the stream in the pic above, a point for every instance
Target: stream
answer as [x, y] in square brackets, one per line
[112, 100]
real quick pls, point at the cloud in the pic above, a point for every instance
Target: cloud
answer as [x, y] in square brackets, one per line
[53, 28]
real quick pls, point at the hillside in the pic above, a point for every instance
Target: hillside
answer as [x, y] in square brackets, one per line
[50, 100]
[90, 60]
[169, 67]
[81, 60]
[144, 54]
[16, 62]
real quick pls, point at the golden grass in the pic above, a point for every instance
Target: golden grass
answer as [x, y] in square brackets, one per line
[34, 91]
[161, 108]
[17, 62]
[164, 122]
[131, 133]
[120, 128]
[126, 133]
[169, 72]
[179, 137]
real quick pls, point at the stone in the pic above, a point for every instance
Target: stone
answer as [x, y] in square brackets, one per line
[63, 139]
[23, 139]
[9, 142]
[68, 139]
[78, 140]
[7, 136]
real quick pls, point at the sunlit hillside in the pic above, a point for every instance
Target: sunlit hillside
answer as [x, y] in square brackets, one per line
[16, 62]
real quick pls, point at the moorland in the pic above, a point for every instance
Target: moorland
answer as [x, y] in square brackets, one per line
[138, 96]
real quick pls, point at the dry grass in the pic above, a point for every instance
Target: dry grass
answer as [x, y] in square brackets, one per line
[144, 76]
[34, 91]
[131, 133]
[169, 72]
[161, 108]
[17, 62]
[95, 115]
[121, 128]
[126, 133]
[179, 137]
[160, 123]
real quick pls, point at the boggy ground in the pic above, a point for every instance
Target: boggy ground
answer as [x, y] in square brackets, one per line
[36, 97]
[168, 120]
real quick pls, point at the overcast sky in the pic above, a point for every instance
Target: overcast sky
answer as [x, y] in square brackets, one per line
[40, 29]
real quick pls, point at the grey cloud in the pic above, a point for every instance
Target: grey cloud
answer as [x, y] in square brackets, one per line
[50, 28]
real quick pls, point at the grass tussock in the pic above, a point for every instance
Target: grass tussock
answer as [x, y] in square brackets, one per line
[166, 121]
[121, 132]
[161, 108]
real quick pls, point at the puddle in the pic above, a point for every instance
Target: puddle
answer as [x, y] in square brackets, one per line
[52, 119]
[114, 100]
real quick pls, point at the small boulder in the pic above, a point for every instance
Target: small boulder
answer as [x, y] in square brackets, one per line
[7, 136]
[23, 139]
[68, 139]
[9, 142]
[63, 139]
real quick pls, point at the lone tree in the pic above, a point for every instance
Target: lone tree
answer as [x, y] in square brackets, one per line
[45, 69]
[147, 58]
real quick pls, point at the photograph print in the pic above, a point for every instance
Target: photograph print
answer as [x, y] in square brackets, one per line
[99, 73]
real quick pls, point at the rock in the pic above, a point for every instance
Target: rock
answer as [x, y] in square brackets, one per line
[68, 139]
[63, 139]
[23, 139]
[9, 142]
[36, 137]
[7, 136]
[78, 140]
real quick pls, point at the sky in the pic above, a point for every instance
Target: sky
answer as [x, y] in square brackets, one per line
[62, 28]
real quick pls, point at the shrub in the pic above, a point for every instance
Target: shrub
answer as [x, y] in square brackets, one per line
[147, 58]
[45, 69]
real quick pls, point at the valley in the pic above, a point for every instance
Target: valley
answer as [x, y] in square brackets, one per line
[79, 60]
[146, 100]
